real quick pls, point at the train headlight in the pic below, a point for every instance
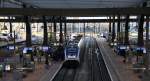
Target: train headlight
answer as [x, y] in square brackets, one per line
[71, 56]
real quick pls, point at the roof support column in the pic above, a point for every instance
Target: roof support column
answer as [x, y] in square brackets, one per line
[28, 31]
[109, 30]
[10, 31]
[127, 31]
[109, 25]
[61, 34]
[113, 30]
[45, 41]
[140, 31]
[118, 29]
[55, 26]
[65, 29]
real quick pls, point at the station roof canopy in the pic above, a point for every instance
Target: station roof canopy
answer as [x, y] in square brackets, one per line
[72, 7]
[77, 3]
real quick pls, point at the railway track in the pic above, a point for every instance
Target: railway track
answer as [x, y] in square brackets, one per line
[68, 74]
[96, 68]
[65, 74]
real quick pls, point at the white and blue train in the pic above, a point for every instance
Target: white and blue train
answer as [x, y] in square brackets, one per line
[72, 56]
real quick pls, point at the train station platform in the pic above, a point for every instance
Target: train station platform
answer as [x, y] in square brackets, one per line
[4, 43]
[119, 70]
[42, 74]
[39, 74]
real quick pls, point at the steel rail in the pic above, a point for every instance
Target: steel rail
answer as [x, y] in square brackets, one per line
[106, 76]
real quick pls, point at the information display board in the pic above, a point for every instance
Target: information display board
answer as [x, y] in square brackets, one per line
[140, 50]
[7, 68]
[11, 47]
[45, 48]
[27, 50]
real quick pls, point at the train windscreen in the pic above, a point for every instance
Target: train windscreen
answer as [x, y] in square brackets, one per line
[72, 51]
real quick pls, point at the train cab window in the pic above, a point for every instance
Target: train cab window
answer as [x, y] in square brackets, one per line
[72, 51]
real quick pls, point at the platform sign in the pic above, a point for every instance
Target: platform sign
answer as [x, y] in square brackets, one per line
[27, 50]
[45, 48]
[11, 47]
[30, 49]
[7, 68]
[138, 48]
[141, 50]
